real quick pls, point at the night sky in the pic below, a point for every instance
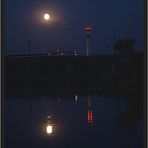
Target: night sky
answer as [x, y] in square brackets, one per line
[110, 20]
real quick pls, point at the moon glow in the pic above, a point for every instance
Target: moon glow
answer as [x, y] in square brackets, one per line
[46, 16]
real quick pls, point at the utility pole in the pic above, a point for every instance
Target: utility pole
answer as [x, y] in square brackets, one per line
[29, 46]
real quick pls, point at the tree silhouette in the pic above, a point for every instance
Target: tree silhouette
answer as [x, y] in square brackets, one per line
[124, 47]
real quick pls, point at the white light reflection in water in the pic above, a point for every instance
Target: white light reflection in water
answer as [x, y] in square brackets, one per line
[49, 129]
[76, 98]
[49, 126]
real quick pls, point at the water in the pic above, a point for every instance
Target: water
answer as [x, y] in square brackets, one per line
[26, 121]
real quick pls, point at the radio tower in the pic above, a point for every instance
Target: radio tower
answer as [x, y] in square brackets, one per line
[88, 31]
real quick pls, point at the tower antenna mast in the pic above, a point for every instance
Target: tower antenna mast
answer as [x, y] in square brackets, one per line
[88, 30]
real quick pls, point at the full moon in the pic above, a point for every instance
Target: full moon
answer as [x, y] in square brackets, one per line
[46, 16]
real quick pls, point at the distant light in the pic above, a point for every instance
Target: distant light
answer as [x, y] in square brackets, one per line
[76, 98]
[46, 16]
[49, 129]
[48, 118]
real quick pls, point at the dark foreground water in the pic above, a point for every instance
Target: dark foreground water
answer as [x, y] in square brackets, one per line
[78, 121]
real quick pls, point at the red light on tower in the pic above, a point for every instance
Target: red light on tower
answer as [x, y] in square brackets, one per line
[88, 28]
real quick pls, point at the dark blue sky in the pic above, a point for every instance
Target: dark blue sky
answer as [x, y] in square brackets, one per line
[109, 18]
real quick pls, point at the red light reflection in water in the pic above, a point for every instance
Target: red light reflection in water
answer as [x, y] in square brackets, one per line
[89, 113]
[89, 116]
